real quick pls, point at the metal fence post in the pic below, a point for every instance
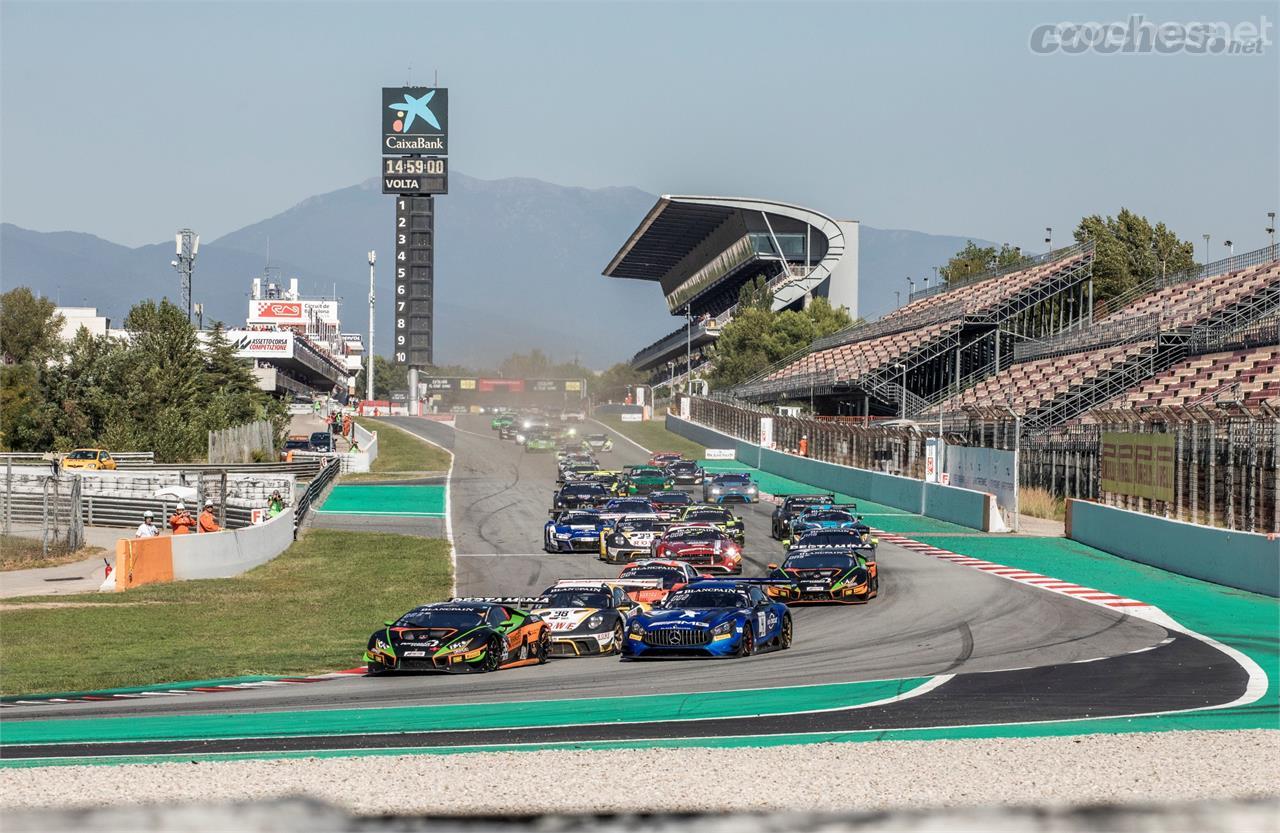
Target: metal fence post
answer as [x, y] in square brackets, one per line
[8, 495]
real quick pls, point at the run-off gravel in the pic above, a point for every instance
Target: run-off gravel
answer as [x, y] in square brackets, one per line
[834, 777]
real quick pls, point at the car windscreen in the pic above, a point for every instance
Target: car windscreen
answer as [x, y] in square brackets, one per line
[646, 472]
[641, 526]
[673, 498]
[820, 561]
[684, 466]
[639, 506]
[83, 455]
[596, 438]
[714, 515]
[733, 479]
[458, 618]
[580, 520]
[671, 576]
[584, 489]
[828, 516]
[578, 598]
[707, 599]
[828, 538]
[694, 535]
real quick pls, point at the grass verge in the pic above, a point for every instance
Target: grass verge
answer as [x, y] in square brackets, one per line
[653, 435]
[1040, 503]
[401, 456]
[18, 553]
[307, 611]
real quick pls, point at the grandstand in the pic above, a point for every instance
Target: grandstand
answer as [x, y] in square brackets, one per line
[1026, 340]
[1138, 354]
[702, 250]
[944, 337]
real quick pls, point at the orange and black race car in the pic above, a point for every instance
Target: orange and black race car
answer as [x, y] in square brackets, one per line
[648, 581]
[823, 575]
[460, 635]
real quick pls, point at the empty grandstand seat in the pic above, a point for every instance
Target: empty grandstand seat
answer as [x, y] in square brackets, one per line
[1256, 371]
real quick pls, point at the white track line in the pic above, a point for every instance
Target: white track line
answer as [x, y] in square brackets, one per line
[620, 434]
[448, 502]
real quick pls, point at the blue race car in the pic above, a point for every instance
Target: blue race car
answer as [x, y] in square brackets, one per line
[732, 486]
[827, 517]
[710, 619]
[573, 531]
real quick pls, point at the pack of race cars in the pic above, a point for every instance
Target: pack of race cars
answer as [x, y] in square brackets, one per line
[680, 590]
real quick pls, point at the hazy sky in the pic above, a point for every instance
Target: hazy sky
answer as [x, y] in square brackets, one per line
[131, 120]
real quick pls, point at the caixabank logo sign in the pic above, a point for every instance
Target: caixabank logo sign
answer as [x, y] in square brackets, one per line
[415, 120]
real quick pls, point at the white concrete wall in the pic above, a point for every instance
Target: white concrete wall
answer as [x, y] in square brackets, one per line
[231, 552]
[842, 289]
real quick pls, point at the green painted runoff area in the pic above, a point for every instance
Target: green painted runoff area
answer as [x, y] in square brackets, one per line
[640, 708]
[422, 501]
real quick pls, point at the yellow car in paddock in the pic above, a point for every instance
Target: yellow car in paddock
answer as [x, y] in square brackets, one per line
[94, 459]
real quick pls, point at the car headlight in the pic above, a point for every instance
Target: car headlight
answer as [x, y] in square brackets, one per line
[715, 490]
[563, 536]
[722, 628]
[520, 437]
[595, 621]
[619, 539]
[751, 488]
[636, 629]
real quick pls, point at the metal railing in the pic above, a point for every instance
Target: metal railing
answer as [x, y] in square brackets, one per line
[314, 489]
[1139, 328]
[1021, 265]
[1195, 273]
[1226, 456]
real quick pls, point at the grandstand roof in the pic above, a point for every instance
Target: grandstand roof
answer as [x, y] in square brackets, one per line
[669, 232]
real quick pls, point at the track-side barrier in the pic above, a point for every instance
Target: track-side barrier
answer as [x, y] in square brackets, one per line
[1243, 560]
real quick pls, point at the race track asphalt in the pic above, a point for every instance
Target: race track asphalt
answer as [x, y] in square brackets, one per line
[1019, 652]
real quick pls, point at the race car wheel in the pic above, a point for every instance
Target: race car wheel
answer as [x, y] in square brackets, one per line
[543, 649]
[618, 635]
[786, 634]
[493, 654]
[747, 644]
[376, 669]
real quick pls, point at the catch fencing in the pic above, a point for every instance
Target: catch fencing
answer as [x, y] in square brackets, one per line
[1224, 469]
[247, 443]
[49, 511]
[314, 489]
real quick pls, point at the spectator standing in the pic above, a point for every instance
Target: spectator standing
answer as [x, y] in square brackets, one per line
[208, 523]
[276, 505]
[181, 521]
[147, 529]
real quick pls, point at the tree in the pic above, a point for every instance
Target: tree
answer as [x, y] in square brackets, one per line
[757, 338]
[612, 384]
[387, 376]
[974, 260]
[755, 295]
[1128, 250]
[29, 326]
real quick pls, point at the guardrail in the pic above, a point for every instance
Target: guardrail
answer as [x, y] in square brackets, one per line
[317, 485]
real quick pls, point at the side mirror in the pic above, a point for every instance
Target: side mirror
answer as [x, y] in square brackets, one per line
[507, 623]
[389, 622]
[772, 566]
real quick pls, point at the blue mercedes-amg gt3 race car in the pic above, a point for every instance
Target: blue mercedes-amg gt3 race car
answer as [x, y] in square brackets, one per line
[828, 517]
[576, 530]
[710, 619]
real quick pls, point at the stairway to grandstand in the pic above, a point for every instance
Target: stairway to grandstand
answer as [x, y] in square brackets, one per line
[1156, 348]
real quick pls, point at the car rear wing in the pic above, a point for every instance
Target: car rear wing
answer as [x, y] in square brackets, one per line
[756, 581]
[816, 498]
[521, 602]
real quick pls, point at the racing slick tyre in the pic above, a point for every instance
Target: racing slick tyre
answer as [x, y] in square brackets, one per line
[786, 634]
[619, 634]
[747, 644]
[376, 669]
[493, 654]
[542, 651]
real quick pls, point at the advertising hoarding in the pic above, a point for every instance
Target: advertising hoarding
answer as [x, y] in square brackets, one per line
[983, 470]
[1139, 465]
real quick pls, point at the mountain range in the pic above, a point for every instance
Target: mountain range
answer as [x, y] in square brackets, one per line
[518, 265]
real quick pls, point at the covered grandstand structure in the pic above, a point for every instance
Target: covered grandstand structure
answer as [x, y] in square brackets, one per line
[702, 250]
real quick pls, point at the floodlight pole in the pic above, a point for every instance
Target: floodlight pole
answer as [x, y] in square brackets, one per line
[368, 386]
[688, 350]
